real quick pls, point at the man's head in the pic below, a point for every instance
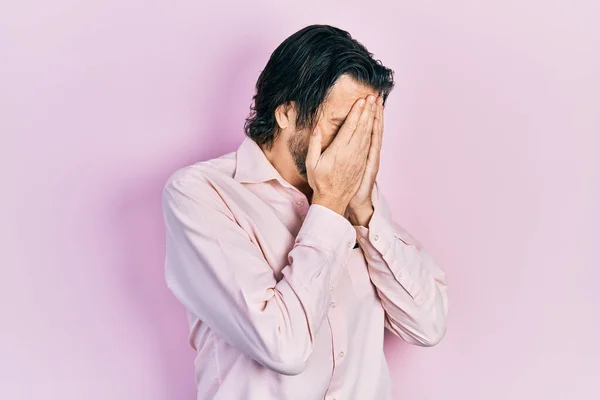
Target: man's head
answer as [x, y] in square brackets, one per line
[312, 78]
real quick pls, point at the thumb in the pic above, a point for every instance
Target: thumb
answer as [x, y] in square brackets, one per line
[314, 149]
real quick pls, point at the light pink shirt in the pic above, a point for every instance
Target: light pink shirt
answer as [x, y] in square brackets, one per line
[280, 304]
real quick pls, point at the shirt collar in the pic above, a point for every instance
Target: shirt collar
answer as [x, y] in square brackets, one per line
[252, 166]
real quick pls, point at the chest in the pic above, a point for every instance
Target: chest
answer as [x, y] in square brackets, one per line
[272, 219]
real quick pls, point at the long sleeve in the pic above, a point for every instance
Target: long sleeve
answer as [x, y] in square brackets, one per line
[221, 276]
[411, 286]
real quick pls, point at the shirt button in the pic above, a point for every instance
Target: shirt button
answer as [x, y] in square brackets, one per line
[331, 289]
[341, 354]
[333, 304]
[376, 238]
[349, 244]
[300, 202]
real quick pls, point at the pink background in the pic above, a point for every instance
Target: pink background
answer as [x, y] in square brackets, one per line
[490, 158]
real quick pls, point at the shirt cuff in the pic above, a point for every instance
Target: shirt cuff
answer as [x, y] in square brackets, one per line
[377, 239]
[328, 228]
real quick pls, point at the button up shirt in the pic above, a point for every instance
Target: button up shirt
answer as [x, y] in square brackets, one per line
[280, 301]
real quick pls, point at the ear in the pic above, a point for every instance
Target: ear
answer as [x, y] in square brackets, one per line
[285, 115]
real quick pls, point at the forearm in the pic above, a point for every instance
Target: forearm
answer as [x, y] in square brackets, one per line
[410, 284]
[223, 278]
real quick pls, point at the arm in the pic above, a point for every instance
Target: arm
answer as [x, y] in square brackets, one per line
[221, 276]
[411, 286]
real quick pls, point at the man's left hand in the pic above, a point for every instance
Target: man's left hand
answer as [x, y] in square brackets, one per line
[360, 208]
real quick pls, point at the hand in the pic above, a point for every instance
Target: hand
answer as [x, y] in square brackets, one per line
[335, 174]
[360, 207]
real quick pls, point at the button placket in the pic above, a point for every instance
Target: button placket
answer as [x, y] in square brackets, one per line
[301, 205]
[339, 344]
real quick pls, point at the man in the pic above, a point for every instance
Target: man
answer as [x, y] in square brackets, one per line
[283, 302]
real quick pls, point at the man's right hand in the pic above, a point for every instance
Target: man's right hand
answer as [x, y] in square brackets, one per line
[335, 174]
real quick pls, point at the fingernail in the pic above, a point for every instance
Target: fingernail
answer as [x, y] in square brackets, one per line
[361, 103]
[371, 99]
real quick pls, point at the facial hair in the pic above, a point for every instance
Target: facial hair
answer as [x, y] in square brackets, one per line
[298, 146]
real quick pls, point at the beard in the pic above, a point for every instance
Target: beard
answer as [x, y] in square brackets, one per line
[298, 147]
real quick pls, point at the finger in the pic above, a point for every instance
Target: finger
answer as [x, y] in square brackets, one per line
[380, 116]
[350, 124]
[382, 110]
[375, 149]
[380, 128]
[314, 149]
[376, 139]
[362, 134]
[365, 123]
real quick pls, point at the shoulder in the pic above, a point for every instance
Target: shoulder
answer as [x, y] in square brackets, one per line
[201, 173]
[200, 183]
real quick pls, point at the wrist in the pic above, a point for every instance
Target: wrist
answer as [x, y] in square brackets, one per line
[361, 215]
[333, 204]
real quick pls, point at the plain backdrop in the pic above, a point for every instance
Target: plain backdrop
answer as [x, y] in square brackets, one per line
[491, 159]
